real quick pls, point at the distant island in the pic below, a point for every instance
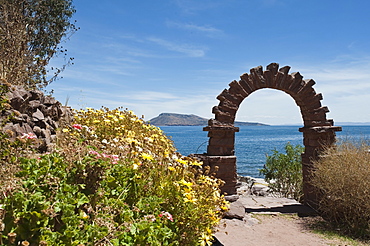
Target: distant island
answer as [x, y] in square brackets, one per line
[172, 119]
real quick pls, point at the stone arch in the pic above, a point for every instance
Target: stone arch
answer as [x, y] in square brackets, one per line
[318, 131]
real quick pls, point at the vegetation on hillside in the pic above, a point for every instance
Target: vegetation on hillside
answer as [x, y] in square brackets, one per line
[112, 180]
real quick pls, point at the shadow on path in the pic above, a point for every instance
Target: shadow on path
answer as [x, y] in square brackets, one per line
[299, 209]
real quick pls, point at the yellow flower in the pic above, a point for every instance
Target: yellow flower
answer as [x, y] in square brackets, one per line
[146, 156]
[83, 215]
[188, 184]
[182, 161]
[195, 163]
[189, 198]
[171, 168]
[206, 239]
[131, 140]
[65, 130]
[130, 134]
[166, 154]
[187, 190]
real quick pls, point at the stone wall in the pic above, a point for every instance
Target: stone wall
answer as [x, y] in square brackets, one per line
[32, 112]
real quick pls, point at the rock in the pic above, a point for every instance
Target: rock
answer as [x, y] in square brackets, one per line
[17, 116]
[37, 130]
[236, 211]
[260, 190]
[27, 128]
[37, 95]
[33, 112]
[252, 186]
[245, 179]
[231, 198]
[34, 104]
[48, 101]
[54, 111]
[38, 115]
[17, 102]
[18, 129]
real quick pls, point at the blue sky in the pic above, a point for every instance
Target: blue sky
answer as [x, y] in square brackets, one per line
[176, 56]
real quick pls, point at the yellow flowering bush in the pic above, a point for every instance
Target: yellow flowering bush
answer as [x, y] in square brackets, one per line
[114, 180]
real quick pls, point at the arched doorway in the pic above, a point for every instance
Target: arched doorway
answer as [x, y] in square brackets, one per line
[318, 131]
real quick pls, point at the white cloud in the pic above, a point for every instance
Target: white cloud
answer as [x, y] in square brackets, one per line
[149, 96]
[207, 30]
[186, 49]
[340, 80]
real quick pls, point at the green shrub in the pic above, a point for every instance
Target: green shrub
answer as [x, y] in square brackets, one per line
[11, 151]
[113, 180]
[342, 176]
[283, 172]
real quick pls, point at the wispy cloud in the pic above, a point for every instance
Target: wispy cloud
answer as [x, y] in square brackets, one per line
[341, 78]
[142, 47]
[186, 49]
[209, 31]
[150, 96]
[194, 6]
[148, 103]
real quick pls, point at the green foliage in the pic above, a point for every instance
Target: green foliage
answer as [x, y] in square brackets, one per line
[12, 149]
[283, 172]
[30, 34]
[113, 180]
[342, 177]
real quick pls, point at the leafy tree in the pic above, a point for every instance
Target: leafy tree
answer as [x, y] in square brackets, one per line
[283, 172]
[30, 35]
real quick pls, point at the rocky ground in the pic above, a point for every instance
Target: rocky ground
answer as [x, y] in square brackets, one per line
[259, 219]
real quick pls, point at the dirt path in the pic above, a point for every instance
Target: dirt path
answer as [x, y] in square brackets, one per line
[270, 230]
[269, 221]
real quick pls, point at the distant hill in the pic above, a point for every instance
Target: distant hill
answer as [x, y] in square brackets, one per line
[171, 119]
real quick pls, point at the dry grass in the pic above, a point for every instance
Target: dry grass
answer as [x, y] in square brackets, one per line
[342, 176]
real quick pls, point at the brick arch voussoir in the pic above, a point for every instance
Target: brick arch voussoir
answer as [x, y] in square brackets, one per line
[302, 91]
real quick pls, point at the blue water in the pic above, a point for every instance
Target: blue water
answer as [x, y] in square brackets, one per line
[252, 143]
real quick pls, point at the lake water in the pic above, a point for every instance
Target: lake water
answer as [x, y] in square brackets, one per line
[252, 143]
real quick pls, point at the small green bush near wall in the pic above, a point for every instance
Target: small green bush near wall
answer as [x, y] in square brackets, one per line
[113, 180]
[343, 177]
[283, 172]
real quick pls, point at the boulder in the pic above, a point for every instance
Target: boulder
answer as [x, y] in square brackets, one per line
[36, 113]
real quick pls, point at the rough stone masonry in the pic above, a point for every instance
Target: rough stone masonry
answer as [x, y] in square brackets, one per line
[33, 112]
